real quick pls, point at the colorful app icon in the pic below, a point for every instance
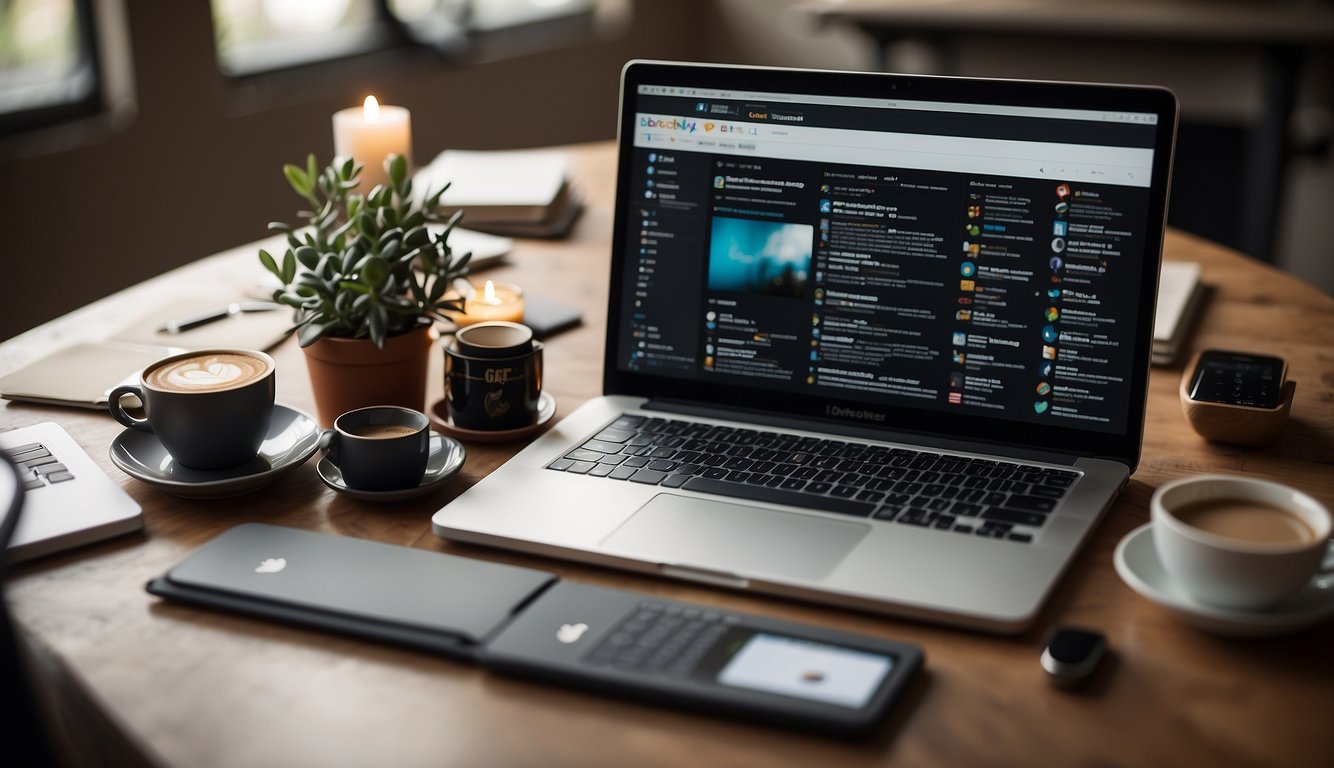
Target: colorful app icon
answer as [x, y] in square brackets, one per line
[1053, 293]
[967, 285]
[1062, 208]
[1063, 190]
[826, 206]
[1049, 334]
[973, 230]
[972, 249]
[719, 182]
[956, 398]
[965, 300]
[1056, 263]
[1059, 228]
[967, 269]
[1040, 406]
[1058, 244]
[824, 189]
[960, 339]
[1052, 314]
[1048, 352]
[974, 211]
[964, 314]
[958, 357]
[1043, 388]
[1046, 369]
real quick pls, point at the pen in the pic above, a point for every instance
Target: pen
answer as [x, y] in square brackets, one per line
[204, 318]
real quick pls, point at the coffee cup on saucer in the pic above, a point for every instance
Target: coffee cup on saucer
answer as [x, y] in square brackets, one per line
[493, 376]
[210, 408]
[1239, 543]
[380, 448]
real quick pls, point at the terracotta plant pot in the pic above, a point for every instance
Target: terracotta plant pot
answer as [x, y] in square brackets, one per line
[346, 374]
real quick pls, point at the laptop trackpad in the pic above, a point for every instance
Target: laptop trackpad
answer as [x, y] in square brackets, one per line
[735, 538]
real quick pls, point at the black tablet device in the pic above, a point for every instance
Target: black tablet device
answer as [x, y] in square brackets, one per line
[524, 622]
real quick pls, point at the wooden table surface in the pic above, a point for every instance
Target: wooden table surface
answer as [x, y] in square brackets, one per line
[196, 688]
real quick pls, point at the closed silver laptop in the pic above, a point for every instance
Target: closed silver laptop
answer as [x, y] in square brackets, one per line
[875, 341]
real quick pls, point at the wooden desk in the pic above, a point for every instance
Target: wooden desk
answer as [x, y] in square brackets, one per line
[201, 689]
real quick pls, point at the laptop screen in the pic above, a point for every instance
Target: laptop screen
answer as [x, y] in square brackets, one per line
[972, 259]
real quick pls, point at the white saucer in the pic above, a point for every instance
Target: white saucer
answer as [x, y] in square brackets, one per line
[447, 457]
[1138, 565]
[292, 438]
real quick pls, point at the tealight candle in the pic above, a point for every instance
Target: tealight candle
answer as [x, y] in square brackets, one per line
[496, 301]
[371, 133]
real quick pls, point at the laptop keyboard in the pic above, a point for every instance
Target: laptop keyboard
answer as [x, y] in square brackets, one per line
[965, 495]
[39, 467]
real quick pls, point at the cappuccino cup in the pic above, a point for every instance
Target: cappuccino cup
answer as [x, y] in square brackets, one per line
[493, 376]
[380, 448]
[1240, 543]
[209, 408]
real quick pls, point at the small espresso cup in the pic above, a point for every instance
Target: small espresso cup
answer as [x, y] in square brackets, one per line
[380, 448]
[1240, 543]
[493, 377]
[210, 408]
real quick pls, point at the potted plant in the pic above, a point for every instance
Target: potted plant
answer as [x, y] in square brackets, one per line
[367, 275]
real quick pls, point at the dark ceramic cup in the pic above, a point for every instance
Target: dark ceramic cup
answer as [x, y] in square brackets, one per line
[493, 377]
[210, 408]
[380, 448]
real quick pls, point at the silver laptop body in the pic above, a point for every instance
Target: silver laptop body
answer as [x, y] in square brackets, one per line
[883, 287]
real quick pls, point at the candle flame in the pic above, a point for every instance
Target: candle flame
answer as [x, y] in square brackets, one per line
[489, 293]
[371, 110]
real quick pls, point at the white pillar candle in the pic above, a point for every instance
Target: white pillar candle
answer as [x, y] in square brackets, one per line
[369, 134]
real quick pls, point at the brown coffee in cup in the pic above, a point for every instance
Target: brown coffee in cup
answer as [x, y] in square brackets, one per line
[1246, 520]
[207, 372]
[382, 431]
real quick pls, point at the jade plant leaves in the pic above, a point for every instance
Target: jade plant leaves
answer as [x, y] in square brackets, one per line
[368, 265]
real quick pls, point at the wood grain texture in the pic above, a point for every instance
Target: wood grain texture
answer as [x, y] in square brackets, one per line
[206, 689]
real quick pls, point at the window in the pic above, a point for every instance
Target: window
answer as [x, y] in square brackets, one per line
[256, 36]
[48, 65]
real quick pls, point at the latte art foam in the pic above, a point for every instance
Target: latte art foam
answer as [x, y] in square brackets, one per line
[207, 373]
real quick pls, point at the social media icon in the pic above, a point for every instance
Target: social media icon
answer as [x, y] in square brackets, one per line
[1040, 406]
[1049, 333]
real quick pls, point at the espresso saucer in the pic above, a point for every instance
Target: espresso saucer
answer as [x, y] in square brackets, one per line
[447, 456]
[1138, 565]
[443, 422]
[292, 438]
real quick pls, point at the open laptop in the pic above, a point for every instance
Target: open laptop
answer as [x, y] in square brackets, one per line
[873, 340]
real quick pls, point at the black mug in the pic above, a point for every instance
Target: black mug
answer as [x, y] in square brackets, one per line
[493, 377]
[380, 448]
[210, 409]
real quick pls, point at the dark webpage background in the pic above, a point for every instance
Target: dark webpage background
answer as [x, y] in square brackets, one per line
[885, 286]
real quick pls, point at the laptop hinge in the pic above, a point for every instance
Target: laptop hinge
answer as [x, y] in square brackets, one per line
[907, 438]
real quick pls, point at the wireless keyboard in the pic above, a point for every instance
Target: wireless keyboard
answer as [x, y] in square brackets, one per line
[68, 500]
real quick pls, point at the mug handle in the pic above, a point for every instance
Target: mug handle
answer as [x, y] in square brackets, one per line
[329, 444]
[117, 410]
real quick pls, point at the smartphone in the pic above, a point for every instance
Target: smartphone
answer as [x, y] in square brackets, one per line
[547, 317]
[1238, 378]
